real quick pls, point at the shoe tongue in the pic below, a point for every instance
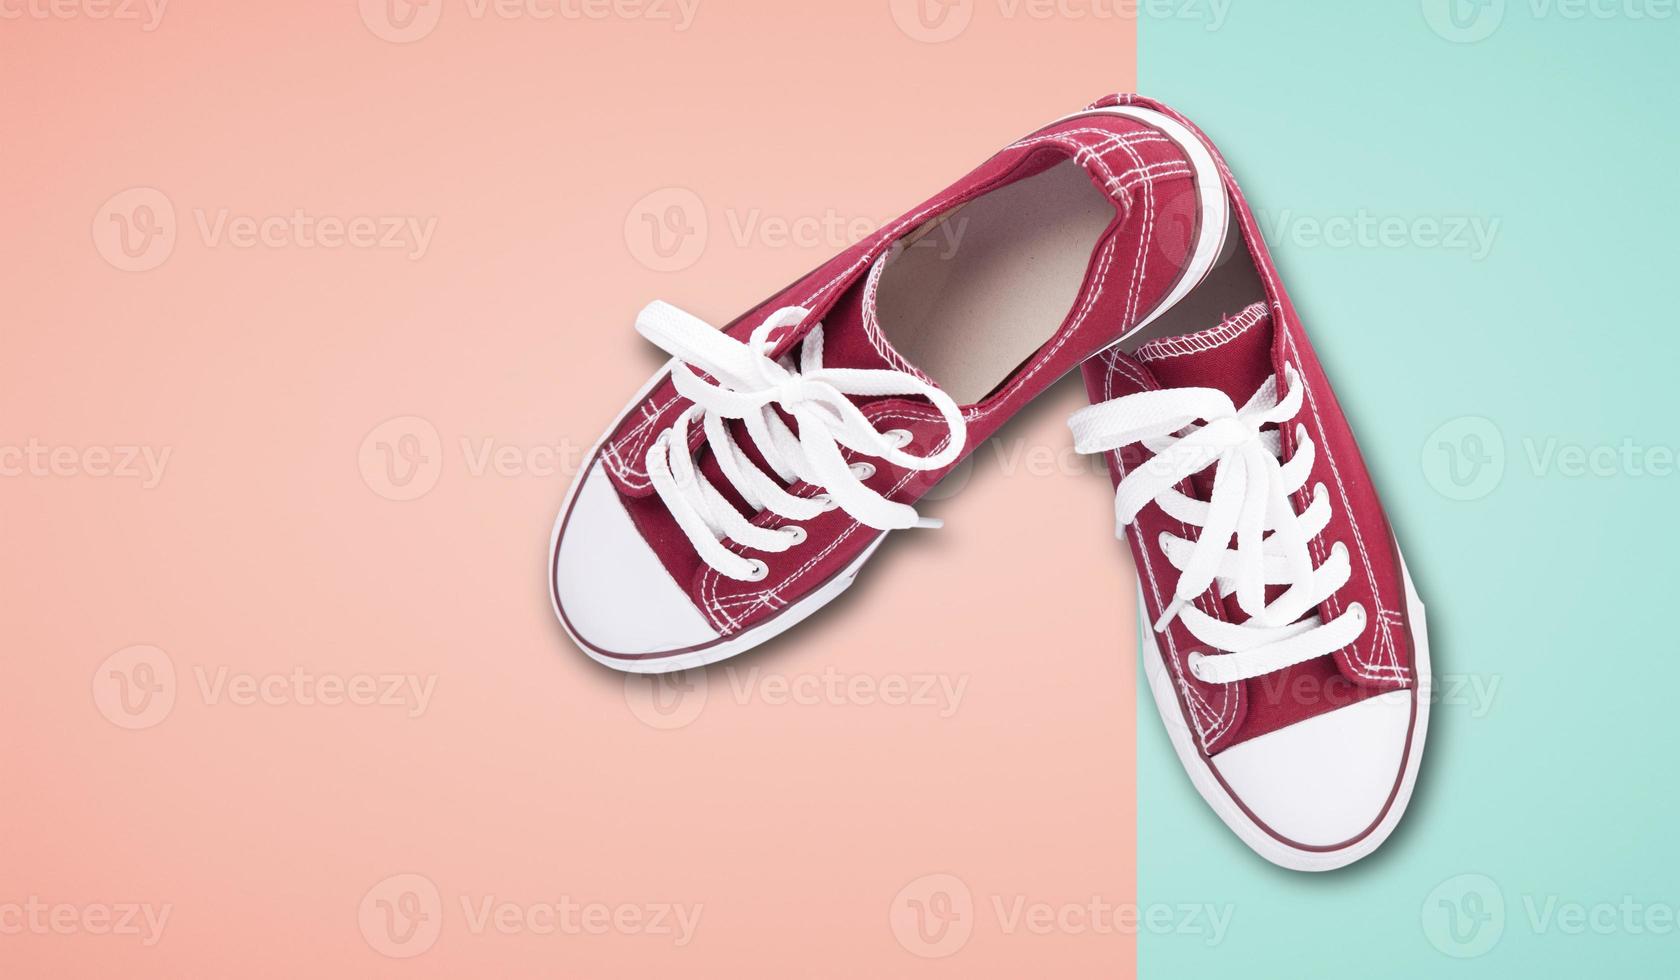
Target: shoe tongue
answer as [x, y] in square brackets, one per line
[1235, 356]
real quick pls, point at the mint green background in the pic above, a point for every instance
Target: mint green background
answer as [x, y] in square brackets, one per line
[1560, 589]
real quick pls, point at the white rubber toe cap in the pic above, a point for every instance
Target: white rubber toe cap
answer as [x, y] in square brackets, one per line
[1325, 780]
[613, 593]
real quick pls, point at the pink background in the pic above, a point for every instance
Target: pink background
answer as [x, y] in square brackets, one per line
[273, 551]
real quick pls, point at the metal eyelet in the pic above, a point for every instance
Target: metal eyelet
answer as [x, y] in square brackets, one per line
[899, 437]
[760, 571]
[826, 501]
[863, 471]
[796, 534]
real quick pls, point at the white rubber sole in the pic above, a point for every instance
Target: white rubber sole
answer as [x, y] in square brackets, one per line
[1251, 833]
[1214, 223]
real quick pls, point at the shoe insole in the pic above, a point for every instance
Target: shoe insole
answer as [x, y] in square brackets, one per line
[978, 291]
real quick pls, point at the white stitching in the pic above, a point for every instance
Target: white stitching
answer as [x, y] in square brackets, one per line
[1204, 340]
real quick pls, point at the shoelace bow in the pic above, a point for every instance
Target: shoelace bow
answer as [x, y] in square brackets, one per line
[1189, 430]
[748, 385]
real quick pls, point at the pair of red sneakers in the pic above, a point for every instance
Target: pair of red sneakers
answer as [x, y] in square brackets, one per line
[749, 481]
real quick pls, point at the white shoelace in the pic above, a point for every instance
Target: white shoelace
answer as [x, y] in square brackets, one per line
[1250, 499]
[750, 386]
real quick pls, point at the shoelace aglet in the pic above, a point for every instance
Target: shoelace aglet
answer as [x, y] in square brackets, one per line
[930, 522]
[1168, 613]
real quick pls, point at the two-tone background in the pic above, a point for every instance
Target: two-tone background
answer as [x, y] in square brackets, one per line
[310, 312]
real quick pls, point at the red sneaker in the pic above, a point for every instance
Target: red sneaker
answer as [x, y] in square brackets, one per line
[749, 481]
[1288, 654]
